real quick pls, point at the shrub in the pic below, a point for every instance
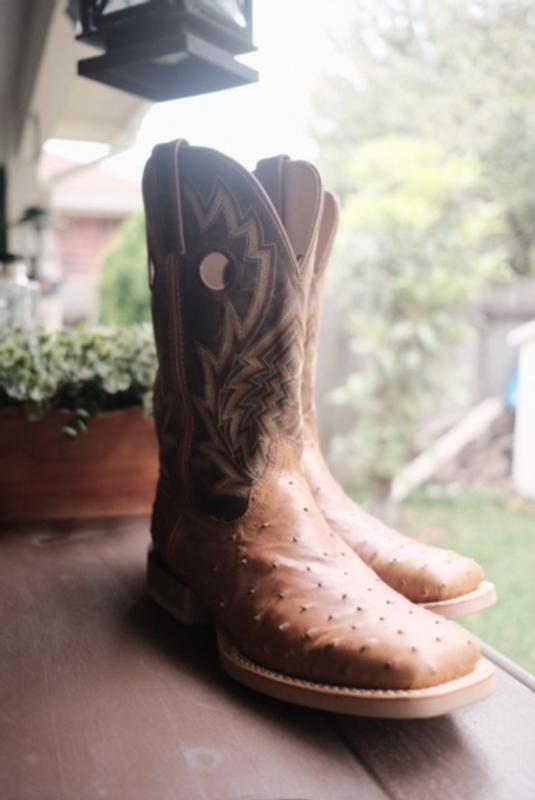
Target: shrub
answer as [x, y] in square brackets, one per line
[123, 288]
[85, 371]
[420, 239]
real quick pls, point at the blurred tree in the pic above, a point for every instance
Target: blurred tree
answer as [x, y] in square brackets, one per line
[427, 133]
[458, 72]
[123, 288]
[418, 238]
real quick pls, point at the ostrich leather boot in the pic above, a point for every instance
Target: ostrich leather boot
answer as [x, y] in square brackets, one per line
[237, 537]
[441, 580]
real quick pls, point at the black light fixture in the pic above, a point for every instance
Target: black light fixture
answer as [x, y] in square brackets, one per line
[165, 49]
[33, 223]
[4, 253]
[6, 256]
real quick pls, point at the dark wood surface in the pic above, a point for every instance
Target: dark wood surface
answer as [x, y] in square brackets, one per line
[105, 696]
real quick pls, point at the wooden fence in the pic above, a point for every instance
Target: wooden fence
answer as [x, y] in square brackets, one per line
[486, 362]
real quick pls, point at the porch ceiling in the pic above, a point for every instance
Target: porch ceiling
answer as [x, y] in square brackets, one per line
[38, 78]
[12, 14]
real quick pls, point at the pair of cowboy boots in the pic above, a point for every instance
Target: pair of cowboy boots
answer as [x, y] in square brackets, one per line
[249, 529]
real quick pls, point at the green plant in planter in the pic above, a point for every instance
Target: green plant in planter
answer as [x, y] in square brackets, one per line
[84, 370]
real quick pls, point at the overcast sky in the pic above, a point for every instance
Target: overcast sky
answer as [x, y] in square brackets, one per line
[251, 122]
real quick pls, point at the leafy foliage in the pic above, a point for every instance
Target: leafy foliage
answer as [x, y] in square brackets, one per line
[86, 371]
[123, 289]
[458, 73]
[425, 130]
[418, 241]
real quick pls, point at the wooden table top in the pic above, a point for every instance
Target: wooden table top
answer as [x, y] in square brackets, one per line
[103, 695]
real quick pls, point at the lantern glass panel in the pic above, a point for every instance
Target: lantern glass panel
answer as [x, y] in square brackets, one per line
[120, 5]
[232, 9]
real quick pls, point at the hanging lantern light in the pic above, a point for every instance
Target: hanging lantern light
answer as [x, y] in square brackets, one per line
[165, 49]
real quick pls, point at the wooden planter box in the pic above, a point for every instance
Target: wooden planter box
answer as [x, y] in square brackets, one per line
[109, 471]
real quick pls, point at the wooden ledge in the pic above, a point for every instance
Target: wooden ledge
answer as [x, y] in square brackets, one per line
[105, 696]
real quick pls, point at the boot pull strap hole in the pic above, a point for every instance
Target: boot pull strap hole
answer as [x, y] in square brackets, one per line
[214, 271]
[152, 272]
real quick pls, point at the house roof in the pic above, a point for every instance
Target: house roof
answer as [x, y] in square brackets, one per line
[81, 190]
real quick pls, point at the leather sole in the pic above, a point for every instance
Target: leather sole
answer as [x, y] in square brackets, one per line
[183, 604]
[387, 703]
[464, 605]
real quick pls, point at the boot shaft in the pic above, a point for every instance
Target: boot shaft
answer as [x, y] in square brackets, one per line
[326, 236]
[292, 200]
[228, 300]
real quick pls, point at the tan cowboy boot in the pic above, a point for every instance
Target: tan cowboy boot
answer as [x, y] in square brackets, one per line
[237, 536]
[439, 579]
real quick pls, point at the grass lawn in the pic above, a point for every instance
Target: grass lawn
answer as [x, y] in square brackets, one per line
[498, 530]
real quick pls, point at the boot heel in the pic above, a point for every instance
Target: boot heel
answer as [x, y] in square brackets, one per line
[173, 595]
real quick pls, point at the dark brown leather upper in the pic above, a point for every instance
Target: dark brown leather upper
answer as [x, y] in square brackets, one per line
[228, 359]
[288, 591]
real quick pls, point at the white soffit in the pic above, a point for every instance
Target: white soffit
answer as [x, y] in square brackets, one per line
[71, 107]
[98, 113]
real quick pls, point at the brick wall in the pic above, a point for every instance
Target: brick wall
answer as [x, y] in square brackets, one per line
[82, 243]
